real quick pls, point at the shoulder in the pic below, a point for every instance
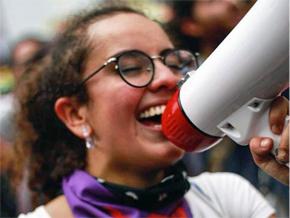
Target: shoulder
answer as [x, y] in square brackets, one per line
[226, 192]
[223, 185]
[59, 208]
[56, 208]
[219, 179]
[37, 213]
[217, 189]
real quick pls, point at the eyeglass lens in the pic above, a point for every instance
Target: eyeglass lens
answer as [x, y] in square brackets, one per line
[137, 69]
[181, 61]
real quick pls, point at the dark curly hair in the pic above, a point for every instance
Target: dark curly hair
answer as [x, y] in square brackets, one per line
[44, 145]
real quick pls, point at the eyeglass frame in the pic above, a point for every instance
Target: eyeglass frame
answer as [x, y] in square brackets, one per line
[116, 57]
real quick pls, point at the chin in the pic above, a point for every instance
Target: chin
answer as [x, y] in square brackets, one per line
[170, 153]
[161, 152]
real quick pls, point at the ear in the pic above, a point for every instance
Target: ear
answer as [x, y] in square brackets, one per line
[191, 28]
[73, 115]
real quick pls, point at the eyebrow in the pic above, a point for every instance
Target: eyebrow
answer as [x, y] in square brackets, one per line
[131, 50]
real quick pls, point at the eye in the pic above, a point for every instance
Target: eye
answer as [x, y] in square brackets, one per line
[133, 63]
[131, 70]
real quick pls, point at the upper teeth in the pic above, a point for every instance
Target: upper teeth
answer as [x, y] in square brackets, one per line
[152, 111]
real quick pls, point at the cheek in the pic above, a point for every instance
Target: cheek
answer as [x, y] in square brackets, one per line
[124, 104]
[113, 108]
[122, 97]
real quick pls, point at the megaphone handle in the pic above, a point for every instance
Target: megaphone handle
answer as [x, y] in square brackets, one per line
[250, 120]
[263, 127]
[266, 131]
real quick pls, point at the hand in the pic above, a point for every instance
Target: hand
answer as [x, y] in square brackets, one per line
[261, 147]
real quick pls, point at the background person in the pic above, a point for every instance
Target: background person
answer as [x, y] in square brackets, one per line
[25, 52]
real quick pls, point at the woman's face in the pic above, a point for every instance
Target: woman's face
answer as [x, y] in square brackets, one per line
[114, 109]
[219, 15]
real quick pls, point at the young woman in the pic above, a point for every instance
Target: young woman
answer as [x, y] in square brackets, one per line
[91, 127]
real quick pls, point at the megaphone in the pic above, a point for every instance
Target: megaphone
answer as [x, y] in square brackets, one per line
[231, 92]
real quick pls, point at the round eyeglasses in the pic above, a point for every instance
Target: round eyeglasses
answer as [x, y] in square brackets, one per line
[137, 68]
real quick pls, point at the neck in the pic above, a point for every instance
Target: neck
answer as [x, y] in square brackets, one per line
[123, 174]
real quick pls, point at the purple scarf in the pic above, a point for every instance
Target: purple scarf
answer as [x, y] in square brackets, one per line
[88, 197]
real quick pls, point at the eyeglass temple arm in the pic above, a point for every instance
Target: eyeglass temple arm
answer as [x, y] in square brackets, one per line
[99, 69]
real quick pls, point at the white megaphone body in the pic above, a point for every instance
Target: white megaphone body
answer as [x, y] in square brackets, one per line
[230, 93]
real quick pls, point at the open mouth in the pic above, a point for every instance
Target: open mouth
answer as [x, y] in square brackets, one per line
[152, 115]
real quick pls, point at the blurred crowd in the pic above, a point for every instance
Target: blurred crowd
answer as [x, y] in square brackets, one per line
[197, 25]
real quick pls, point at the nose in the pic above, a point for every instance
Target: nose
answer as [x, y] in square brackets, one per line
[164, 77]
